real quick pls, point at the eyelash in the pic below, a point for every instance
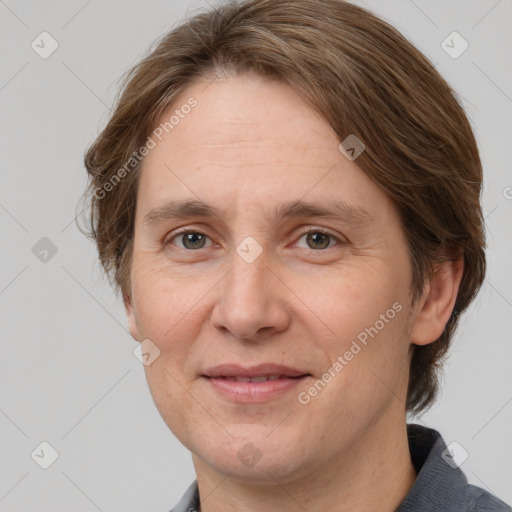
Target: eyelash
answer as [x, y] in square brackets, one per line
[306, 232]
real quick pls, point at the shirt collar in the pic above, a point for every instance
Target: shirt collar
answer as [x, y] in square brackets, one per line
[440, 483]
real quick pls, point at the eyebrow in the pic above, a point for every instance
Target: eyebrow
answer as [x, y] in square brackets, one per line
[329, 209]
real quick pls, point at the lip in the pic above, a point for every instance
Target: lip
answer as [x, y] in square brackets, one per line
[235, 370]
[253, 392]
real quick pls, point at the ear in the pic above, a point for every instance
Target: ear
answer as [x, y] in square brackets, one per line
[130, 314]
[437, 303]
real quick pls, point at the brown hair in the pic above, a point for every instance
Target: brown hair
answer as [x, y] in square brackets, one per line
[365, 79]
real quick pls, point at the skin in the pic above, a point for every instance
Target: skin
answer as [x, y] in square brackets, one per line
[248, 146]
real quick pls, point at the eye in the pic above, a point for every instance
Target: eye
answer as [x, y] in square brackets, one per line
[318, 240]
[190, 239]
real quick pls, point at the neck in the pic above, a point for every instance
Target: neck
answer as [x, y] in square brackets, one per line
[374, 473]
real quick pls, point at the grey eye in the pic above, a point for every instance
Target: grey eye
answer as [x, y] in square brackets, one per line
[318, 240]
[192, 240]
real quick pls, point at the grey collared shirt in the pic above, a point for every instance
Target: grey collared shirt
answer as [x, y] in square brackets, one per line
[440, 484]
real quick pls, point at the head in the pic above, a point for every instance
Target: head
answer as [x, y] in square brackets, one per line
[243, 108]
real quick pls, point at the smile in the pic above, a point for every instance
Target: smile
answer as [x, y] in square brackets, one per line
[258, 389]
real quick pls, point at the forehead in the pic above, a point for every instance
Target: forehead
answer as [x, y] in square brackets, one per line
[242, 115]
[249, 141]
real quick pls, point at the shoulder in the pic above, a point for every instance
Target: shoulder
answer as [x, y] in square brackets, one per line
[483, 501]
[441, 484]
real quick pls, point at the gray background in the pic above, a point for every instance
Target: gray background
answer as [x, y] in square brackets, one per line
[68, 374]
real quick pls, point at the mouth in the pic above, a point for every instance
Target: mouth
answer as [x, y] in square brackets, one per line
[263, 370]
[258, 378]
[255, 384]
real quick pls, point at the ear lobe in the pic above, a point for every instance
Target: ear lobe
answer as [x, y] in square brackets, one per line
[436, 306]
[130, 314]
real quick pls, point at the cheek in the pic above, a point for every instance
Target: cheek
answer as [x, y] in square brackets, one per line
[365, 375]
[169, 392]
[350, 298]
[163, 315]
[361, 319]
[163, 304]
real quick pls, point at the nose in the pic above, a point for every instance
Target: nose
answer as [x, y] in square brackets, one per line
[251, 301]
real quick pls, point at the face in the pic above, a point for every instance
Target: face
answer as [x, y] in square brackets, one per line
[264, 275]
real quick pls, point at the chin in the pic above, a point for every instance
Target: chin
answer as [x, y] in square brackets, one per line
[257, 459]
